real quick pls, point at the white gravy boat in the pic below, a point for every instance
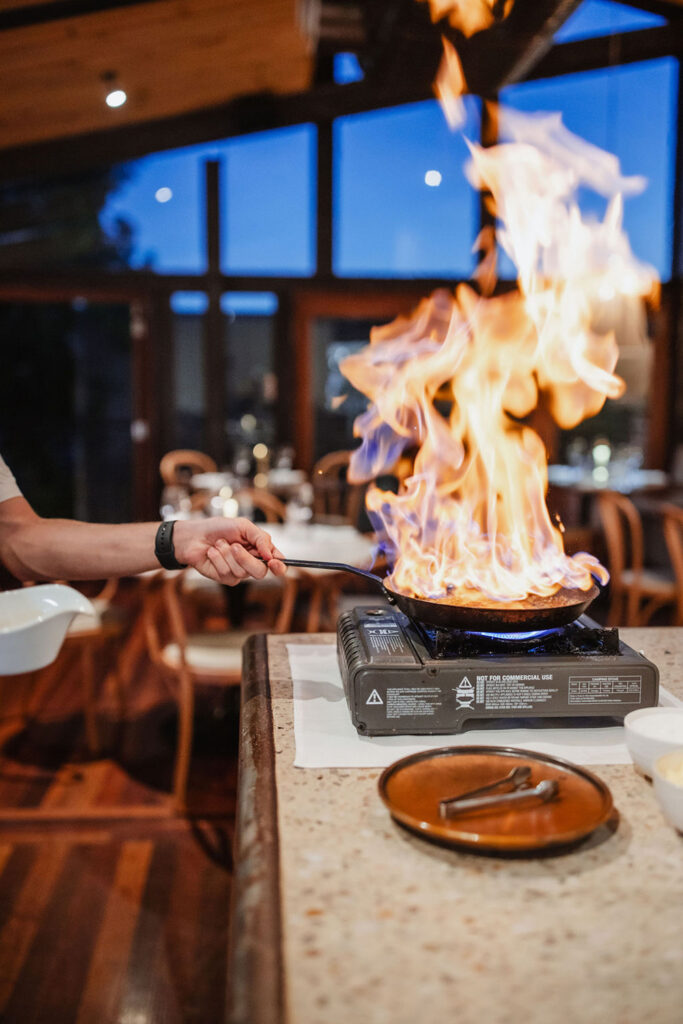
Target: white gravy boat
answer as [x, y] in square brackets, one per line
[33, 624]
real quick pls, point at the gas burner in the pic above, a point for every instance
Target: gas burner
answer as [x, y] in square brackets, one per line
[579, 638]
[402, 677]
[533, 634]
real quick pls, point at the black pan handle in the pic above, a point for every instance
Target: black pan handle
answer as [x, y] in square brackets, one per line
[305, 563]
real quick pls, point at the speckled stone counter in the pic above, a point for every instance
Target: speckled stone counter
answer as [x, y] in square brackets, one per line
[376, 926]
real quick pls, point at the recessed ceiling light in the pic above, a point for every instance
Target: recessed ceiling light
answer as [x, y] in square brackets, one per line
[163, 194]
[115, 98]
[433, 178]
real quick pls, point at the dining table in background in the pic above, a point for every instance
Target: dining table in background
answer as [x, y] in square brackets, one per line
[651, 508]
[279, 481]
[572, 491]
[323, 542]
[625, 480]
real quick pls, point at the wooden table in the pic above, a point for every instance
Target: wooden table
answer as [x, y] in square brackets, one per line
[340, 915]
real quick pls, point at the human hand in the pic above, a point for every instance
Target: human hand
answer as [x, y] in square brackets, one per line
[226, 550]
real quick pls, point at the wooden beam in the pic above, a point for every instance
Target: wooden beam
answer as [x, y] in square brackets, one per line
[665, 432]
[663, 8]
[508, 50]
[146, 414]
[164, 385]
[283, 366]
[57, 10]
[325, 199]
[610, 51]
[214, 347]
[106, 286]
[677, 228]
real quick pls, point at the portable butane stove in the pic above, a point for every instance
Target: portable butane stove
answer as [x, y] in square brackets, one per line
[403, 677]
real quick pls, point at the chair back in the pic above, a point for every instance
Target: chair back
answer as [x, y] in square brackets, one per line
[673, 535]
[623, 531]
[165, 630]
[177, 466]
[164, 607]
[637, 592]
[274, 510]
[333, 495]
[162, 615]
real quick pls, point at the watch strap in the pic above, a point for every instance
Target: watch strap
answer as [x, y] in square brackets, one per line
[163, 546]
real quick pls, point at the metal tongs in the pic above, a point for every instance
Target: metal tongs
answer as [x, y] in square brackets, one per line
[512, 790]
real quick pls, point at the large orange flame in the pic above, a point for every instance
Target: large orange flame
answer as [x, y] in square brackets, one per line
[468, 16]
[455, 382]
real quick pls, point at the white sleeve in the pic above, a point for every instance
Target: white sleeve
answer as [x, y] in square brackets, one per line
[8, 485]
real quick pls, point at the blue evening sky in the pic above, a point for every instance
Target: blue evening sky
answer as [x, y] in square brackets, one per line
[387, 220]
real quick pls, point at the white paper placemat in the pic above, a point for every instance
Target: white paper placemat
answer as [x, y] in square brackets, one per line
[326, 738]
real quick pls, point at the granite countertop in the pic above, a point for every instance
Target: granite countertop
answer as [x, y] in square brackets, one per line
[381, 927]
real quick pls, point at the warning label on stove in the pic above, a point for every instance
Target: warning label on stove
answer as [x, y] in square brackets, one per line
[605, 689]
[413, 701]
[384, 640]
[514, 692]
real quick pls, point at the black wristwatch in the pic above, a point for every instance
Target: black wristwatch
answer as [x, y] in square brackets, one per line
[163, 546]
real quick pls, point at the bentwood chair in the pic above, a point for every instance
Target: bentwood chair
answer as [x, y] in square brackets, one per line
[186, 660]
[673, 535]
[258, 499]
[636, 592]
[177, 466]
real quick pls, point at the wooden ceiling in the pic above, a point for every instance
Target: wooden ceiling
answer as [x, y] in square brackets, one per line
[170, 56]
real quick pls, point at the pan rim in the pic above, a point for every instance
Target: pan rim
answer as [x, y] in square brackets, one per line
[483, 619]
[500, 607]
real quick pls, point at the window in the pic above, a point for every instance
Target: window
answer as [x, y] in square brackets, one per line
[250, 385]
[628, 111]
[347, 68]
[598, 18]
[188, 308]
[162, 201]
[268, 196]
[250, 388]
[334, 338]
[269, 224]
[402, 204]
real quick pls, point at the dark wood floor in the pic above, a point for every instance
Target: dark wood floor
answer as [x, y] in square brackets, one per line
[123, 920]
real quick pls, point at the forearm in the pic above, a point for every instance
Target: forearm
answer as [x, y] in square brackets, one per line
[225, 550]
[44, 549]
[65, 549]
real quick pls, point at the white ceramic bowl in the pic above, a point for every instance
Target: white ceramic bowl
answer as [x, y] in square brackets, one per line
[667, 778]
[33, 623]
[651, 732]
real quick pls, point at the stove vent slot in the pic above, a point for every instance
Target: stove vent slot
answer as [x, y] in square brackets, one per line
[350, 643]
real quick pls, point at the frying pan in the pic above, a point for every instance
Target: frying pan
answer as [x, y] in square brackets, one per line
[538, 612]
